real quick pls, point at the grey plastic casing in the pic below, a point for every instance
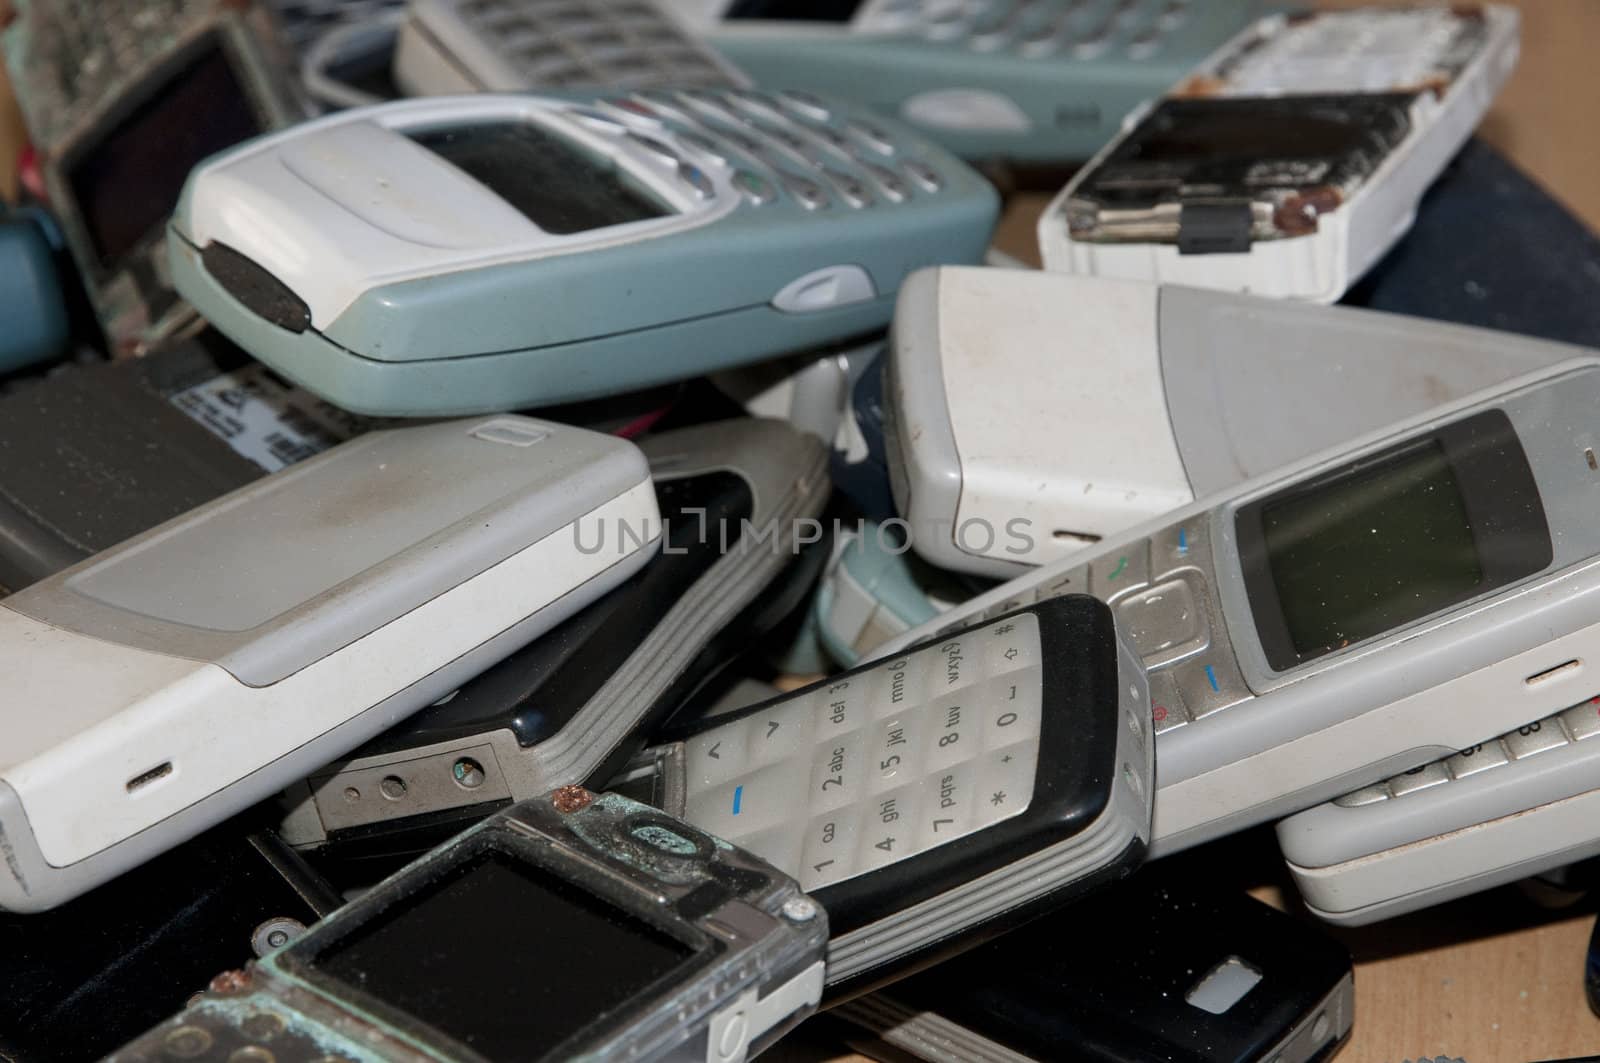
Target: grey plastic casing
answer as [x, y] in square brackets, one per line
[1252, 385]
[788, 479]
[272, 579]
[1413, 694]
[1357, 864]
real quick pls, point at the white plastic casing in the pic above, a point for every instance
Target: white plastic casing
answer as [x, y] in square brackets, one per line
[1348, 241]
[107, 713]
[1056, 411]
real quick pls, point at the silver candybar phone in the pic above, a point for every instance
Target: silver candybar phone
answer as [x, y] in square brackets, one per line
[168, 682]
[1362, 612]
[1507, 808]
[571, 926]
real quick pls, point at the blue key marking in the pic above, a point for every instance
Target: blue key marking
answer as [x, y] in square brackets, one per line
[1211, 677]
[738, 791]
[1183, 540]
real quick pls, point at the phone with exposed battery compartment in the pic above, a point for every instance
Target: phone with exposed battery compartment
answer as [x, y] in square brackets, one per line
[1185, 972]
[1290, 160]
[573, 706]
[449, 46]
[172, 680]
[1045, 81]
[1362, 612]
[749, 227]
[933, 799]
[121, 101]
[569, 926]
[1151, 395]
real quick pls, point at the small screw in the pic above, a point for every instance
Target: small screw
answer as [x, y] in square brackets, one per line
[275, 934]
[799, 909]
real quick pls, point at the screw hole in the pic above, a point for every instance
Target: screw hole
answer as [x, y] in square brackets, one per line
[352, 794]
[392, 787]
[467, 773]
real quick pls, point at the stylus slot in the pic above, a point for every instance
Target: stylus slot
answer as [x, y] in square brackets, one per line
[145, 778]
[1564, 669]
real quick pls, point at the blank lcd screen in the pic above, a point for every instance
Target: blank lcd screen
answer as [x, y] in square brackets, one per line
[1371, 551]
[560, 188]
[127, 185]
[504, 957]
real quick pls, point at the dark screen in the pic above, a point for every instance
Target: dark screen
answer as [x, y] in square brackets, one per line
[1372, 551]
[504, 958]
[558, 187]
[794, 10]
[127, 185]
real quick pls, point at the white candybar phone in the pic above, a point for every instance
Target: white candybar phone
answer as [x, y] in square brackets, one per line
[449, 46]
[1149, 397]
[1365, 611]
[164, 684]
[1292, 159]
[1498, 811]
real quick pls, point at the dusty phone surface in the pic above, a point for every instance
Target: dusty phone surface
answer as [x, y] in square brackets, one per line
[168, 682]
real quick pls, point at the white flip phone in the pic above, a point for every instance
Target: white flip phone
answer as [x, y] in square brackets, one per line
[162, 685]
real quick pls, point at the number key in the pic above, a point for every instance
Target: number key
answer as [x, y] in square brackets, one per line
[948, 800]
[1011, 644]
[888, 827]
[837, 773]
[895, 753]
[952, 730]
[1583, 720]
[1011, 708]
[829, 853]
[1474, 759]
[1535, 737]
[839, 708]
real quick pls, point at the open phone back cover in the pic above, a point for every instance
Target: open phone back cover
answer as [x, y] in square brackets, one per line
[1107, 979]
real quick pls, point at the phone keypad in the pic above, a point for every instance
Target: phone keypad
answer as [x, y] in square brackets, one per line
[597, 42]
[1160, 589]
[1037, 29]
[793, 141]
[1577, 724]
[877, 766]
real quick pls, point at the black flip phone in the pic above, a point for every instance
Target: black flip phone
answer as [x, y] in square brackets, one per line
[1161, 968]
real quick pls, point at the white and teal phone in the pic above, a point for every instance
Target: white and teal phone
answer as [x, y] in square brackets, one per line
[1028, 80]
[476, 253]
[1365, 611]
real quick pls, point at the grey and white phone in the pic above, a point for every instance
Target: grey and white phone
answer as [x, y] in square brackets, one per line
[161, 685]
[1367, 610]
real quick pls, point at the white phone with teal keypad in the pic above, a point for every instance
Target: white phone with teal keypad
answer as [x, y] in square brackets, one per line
[476, 253]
